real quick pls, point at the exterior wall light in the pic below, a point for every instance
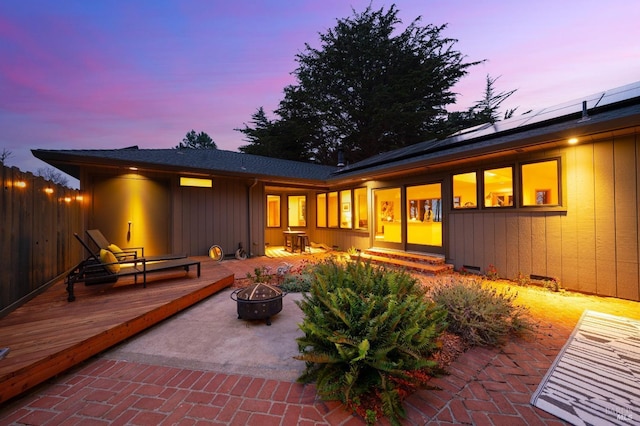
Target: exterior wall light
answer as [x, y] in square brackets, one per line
[20, 184]
[573, 141]
[48, 190]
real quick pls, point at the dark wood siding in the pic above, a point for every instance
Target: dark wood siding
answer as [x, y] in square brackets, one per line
[219, 215]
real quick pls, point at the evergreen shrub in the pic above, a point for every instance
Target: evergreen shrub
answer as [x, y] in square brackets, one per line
[369, 337]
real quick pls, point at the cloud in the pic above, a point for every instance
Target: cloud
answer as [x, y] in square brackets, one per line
[91, 75]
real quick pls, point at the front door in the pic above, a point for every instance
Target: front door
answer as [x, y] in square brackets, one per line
[388, 218]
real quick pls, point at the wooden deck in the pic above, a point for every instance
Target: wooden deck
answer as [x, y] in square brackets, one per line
[49, 335]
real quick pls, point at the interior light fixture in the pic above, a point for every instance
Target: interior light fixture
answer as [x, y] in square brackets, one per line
[133, 168]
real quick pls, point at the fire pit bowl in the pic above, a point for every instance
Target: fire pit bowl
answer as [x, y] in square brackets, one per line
[258, 301]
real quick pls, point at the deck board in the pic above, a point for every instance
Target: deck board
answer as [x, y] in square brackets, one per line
[49, 335]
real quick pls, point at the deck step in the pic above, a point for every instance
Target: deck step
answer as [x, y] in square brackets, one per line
[415, 262]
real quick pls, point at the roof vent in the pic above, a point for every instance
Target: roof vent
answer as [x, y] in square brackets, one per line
[585, 114]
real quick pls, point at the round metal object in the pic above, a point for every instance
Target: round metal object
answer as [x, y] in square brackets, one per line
[216, 253]
[258, 301]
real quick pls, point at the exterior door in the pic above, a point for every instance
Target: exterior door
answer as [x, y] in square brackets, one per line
[388, 218]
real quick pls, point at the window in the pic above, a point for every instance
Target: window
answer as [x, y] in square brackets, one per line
[498, 187]
[361, 208]
[540, 183]
[197, 182]
[387, 219]
[273, 211]
[465, 191]
[424, 214]
[345, 210]
[321, 210]
[297, 206]
[332, 209]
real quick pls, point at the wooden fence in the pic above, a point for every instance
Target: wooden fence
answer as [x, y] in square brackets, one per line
[36, 234]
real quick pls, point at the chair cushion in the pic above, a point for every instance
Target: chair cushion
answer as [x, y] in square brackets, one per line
[108, 257]
[117, 251]
[114, 249]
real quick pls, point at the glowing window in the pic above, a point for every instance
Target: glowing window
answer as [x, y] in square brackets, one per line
[498, 187]
[273, 211]
[361, 208]
[297, 206]
[321, 210]
[465, 191]
[332, 209]
[197, 182]
[346, 206]
[540, 183]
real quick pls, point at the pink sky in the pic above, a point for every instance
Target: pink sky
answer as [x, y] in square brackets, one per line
[110, 74]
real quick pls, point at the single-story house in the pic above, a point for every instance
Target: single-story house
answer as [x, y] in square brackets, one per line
[552, 193]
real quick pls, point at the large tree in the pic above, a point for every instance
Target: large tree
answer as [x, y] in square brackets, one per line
[485, 111]
[281, 139]
[194, 140]
[369, 88]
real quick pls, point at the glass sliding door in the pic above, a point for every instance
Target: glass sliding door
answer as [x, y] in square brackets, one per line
[388, 217]
[424, 217]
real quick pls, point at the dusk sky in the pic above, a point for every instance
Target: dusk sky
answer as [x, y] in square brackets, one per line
[110, 74]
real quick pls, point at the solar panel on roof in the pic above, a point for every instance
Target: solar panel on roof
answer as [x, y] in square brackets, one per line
[595, 100]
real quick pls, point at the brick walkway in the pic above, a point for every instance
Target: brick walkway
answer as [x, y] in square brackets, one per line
[485, 386]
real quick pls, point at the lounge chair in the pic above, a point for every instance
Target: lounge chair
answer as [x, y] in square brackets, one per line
[126, 253]
[106, 269]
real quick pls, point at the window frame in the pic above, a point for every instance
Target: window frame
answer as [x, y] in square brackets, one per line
[454, 195]
[333, 212]
[517, 184]
[356, 206]
[514, 195]
[346, 208]
[279, 215]
[559, 184]
[297, 206]
[324, 211]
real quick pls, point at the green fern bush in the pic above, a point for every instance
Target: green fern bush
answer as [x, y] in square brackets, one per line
[480, 314]
[368, 337]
